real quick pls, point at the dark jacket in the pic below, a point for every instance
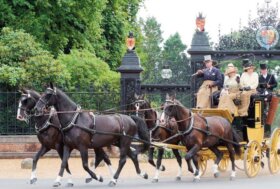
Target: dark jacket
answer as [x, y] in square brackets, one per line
[213, 75]
[270, 79]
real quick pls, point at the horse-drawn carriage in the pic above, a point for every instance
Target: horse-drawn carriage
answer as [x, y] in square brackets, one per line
[83, 129]
[257, 140]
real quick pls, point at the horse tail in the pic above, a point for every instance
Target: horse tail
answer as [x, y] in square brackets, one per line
[236, 139]
[143, 133]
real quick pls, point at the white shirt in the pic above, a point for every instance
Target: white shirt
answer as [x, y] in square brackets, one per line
[264, 76]
[249, 80]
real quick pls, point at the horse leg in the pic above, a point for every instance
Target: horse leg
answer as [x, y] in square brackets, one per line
[124, 148]
[43, 150]
[84, 156]
[179, 160]
[191, 154]
[66, 155]
[197, 173]
[232, 159]
[219, 156]
[151, 156]
[133, 156]
[99, 156]
[69, 176]
[108, 163]
[158, 166]
[190, 166]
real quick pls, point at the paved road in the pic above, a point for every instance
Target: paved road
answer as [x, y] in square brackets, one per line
[259, 182]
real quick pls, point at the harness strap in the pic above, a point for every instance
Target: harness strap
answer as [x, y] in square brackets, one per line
[72, 122]
[47, 123]
[190, 126]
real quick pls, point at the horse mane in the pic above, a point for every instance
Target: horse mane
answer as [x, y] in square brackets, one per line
[64, 95]
[34, 93]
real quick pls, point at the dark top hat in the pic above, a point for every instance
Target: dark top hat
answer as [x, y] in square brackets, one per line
[263, 66]
[246, 63]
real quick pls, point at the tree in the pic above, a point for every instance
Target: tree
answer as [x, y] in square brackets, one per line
[173, 54]
[151, 55]
[58, 25]
[119, 17]
[87, 70]
[25, 63]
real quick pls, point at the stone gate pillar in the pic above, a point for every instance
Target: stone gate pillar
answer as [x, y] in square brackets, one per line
[199, 47]
[130, 70]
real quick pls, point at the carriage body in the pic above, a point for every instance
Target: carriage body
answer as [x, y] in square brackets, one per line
[255, 131]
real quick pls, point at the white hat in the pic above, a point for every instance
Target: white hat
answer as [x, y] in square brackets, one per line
[207, 58]
[230, 65]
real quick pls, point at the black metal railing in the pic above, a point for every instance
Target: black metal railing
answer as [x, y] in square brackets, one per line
[9, 125]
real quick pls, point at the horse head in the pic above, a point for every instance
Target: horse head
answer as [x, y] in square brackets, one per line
[169, 100]
[141, 103]
[27, 102]
[47, 99]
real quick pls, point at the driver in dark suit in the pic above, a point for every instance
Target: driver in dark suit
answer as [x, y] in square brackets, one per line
[267, 82]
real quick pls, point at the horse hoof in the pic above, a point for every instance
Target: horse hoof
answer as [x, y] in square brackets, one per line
[56, 184]
[101, 179]
[112, 183]
[155, 181]
[69, 184]
[88, 180]
[33, 181]
[216, 175]
[191, 170]
[196, 180]
[162, 168]
[231, 178]
[178, 178]
[145, 176]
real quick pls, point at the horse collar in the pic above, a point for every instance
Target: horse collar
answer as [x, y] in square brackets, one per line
[46, 124]
[72, 122]
[190, 126]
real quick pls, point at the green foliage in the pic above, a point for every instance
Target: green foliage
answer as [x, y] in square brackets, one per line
[58, 25]
[173, 53]
[86, 70]
[151, 51]
[119, 17]
[25, 63]
[99, 26]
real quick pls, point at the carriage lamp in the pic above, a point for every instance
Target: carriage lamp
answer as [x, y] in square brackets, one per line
[166, 72]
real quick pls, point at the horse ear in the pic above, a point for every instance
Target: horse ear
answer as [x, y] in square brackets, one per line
[136, 96]
[173, 97]
[51, 85]
[142, 97]
[167, 96]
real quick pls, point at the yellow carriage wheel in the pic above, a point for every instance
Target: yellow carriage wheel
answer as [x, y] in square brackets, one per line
[223, 165]
[252, 159]
[274, 152]
[202, 163]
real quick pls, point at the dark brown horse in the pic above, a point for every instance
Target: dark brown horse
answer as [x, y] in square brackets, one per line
[158, 133]
[83, 131]
[48, 131]
[197, 132]
[47, 128]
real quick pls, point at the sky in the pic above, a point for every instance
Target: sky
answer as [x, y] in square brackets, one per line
[179, 15]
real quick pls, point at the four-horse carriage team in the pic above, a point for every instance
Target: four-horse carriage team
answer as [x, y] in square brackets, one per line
[232, 120]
